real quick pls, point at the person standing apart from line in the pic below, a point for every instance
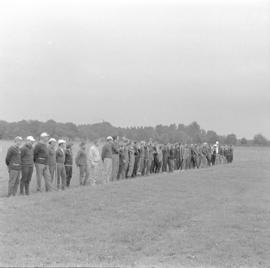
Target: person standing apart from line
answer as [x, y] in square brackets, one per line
[81, 162]
[94, 160]
[13, 162]
[60, 167]
[27, 161]
[41, 158]
[68, 163]
[106, 157]
[52, 158]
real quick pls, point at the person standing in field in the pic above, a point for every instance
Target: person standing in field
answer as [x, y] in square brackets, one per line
[131, 160]
[94, 160]
[106, 157]
[68, 163]
[41, 160]
[122, 163]
[60, 165]
[52, 158]
[137, 159]
[13, 162]
[165, 158]
[186, 157]
[81, 162]
[27, 162]
[115, 158]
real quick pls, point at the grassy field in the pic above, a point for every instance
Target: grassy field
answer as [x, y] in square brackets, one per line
[215, 217]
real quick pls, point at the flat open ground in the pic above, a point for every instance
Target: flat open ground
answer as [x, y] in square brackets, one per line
[209, 217]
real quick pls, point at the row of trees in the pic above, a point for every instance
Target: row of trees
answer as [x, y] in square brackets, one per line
[191, 133]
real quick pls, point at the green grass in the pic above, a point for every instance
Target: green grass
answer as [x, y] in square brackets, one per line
[210, 217]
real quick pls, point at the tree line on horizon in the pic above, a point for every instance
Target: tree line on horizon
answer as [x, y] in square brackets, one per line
[172, 133]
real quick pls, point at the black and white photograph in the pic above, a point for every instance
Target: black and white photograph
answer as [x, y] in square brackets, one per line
[135, 133]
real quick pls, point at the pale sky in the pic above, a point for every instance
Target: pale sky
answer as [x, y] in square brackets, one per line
[137, 63]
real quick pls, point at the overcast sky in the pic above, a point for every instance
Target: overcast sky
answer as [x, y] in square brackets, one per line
[137, 63]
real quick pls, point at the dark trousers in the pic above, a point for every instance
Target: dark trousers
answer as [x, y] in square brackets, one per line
[136, 166]
[27, 172]
[171, 164]
[213, 159]
[165, 164]
[157, 165]
[61, 176]
[84, 174]
[68, 174]
[145, 166]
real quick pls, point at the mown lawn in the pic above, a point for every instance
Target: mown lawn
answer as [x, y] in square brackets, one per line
[212, 217]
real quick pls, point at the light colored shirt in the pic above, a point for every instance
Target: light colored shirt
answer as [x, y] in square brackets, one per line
[94, 155]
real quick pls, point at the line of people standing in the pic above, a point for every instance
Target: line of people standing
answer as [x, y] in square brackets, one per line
[126, 159]
[121, 159]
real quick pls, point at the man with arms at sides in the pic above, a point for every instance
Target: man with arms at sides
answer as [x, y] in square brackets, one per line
[106, 157]
[94, 160]
[13, 162]
[68, 162]
[41, 160]
[27, 160]
[60, 167]
[81, 162]
[52, 158]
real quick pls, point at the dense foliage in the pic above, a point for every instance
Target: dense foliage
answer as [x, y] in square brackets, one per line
[191, 133]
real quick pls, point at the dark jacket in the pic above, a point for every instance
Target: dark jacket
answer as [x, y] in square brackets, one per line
[60, 156]
[106, 151]
[115, 148]
[41, 154]
[13, 158]
[27, 155]
[68, 157]
[81, 158]
[52, 157]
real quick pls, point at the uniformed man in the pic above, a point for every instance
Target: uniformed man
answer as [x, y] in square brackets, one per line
[52, 158]
[106, 157]
[131, 160]
[60, 165]
[81, 163]
[115, 157]
[68, 163]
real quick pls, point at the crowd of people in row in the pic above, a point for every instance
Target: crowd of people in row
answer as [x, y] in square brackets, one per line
[120, 159]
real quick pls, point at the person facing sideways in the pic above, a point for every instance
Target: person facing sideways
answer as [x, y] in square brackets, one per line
[106, 157]
[81, 162]
[52, 158]
[41, 158]
[94, 160]
[60, 167]
[68, 162]
[13, 162]
[27, 162]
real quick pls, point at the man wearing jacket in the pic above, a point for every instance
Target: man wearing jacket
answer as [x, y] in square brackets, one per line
[27, 161]
[115, 158]
[60, 166]
[41, 156]
[81, 162]
[106, 157]
[68, 163]
[13, 161]
[52, 158]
